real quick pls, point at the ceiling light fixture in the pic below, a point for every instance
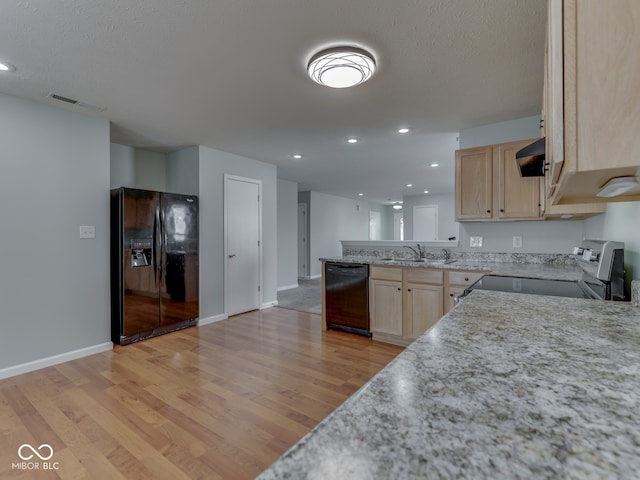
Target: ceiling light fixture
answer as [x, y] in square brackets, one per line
[403, 130]
[297, 156]
[341, 67]
[397, 206]
[352, 140]
[434, 164]
[360, 194]
[426, 191]
[409, 184]
[6, 67]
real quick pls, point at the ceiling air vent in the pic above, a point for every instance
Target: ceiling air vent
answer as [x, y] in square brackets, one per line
[72, 101]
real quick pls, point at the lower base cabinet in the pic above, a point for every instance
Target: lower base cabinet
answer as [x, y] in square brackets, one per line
[404, 302]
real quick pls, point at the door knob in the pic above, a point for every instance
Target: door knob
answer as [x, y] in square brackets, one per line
[233, 255]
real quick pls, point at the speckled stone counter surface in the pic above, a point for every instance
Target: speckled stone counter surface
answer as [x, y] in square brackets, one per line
[510, 269]
[504, 386]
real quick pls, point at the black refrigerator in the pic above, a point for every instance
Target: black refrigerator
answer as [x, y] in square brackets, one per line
[154, 263]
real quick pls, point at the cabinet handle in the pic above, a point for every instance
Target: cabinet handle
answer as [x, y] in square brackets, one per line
[466, 279]
[502, 210]
[488, 211]
[408, 289]
[451, 294]
[399, 289]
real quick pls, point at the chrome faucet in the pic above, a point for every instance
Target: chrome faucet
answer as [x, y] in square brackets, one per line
[446, 253]
[418, 253]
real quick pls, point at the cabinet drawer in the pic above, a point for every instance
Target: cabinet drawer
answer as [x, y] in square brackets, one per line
[422, 275]
[386, 273]
[464, 278]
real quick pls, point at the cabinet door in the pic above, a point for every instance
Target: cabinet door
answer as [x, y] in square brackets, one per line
[386, 306]
[516, 197]
[423, 309]
[474, 174]
[453, 293]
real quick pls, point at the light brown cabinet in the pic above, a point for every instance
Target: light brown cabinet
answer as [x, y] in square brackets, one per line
[404, 302]
[489, 186]
[592, 100]
[455, 284]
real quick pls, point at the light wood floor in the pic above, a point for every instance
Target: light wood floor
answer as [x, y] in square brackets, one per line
[221, 401]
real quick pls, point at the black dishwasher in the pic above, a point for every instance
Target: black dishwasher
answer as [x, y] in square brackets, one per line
[347, 297]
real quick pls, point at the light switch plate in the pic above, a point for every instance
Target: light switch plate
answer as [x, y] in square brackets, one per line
[517, 241]
[87, 231]
[475, 242]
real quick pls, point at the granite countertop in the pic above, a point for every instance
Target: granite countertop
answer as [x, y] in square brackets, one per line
[506, 386]
[529, 270]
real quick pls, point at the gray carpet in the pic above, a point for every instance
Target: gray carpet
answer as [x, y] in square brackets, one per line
[306, 298]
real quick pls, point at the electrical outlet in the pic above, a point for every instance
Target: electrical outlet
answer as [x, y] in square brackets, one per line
[517, 241]
[475, 242]
[87, 231]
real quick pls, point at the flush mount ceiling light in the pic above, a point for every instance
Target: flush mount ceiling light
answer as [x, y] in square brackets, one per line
[426, 191]
[434, 165]
[341, 67]
[403, 130]
[397, 206]
[297, 156]
[352, 140]
[409, 185]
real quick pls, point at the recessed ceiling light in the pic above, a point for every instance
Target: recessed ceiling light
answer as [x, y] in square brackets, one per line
[341, 67]
[434, 165]
[297, 156]
[409, 184]
[352, 140]
[360, 194]
[6, 67]
[426, 191]
[404, 130]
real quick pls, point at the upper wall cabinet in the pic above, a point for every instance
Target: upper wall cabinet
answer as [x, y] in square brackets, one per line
[489, 185]
[592, 98]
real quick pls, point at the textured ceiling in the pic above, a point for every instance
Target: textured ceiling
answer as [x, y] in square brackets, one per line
[230, 74]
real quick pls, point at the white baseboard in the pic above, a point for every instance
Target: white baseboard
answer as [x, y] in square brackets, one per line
[313, 277]
[214, 319]
[288, 287]
[54, 360]
[269, 305]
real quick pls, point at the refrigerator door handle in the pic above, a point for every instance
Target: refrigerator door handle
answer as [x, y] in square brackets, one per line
[155, 246]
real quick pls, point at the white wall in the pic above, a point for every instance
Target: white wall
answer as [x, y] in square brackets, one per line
[183, 171]
[447, 226]
[150, 170]
[287, 233]
[512, 130]
[122, 166]
[213, 164]
[54, 286]
[333, 219]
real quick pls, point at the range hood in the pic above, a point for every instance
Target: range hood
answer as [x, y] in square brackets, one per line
[530, 159]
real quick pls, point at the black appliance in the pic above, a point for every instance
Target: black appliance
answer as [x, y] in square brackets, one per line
[347, 297]
[602, 263]
[531, 159]
[154, 263]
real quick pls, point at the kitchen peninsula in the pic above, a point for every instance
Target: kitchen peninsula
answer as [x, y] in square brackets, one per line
[504, 386]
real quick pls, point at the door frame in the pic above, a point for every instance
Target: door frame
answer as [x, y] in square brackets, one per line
[305, 242]
[235, 178]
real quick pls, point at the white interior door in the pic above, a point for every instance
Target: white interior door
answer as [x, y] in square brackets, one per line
[398, 226]
[242, 244]
[375, 225]
[302, 240]
[425, 222]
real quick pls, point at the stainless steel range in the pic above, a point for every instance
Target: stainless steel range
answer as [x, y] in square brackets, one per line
[601, 261]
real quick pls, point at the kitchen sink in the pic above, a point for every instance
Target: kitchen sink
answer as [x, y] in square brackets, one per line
[441, 262]
[419, 260]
